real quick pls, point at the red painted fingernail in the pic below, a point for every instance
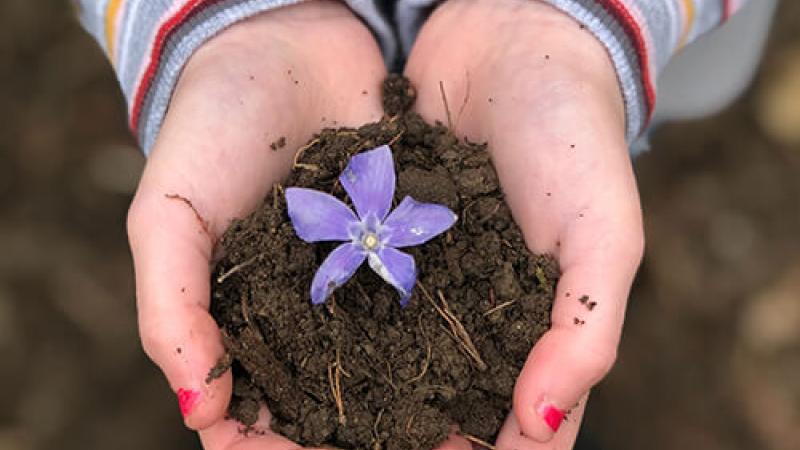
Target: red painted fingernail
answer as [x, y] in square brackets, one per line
[553, 416]
[187, 399]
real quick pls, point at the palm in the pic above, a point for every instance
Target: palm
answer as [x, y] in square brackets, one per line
[543, 94]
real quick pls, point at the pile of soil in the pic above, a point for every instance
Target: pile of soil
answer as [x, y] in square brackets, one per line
[360, 371]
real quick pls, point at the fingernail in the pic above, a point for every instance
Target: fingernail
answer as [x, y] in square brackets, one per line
[553, 417]
[187, 400]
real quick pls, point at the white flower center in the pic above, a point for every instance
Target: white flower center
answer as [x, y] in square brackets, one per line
[370, 241]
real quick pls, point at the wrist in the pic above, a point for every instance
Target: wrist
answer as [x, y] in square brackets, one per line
[521, 52]
[282, 67]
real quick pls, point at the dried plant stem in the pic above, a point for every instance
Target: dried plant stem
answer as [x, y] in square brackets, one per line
[446, 106]
[409, 423]
[302, 149]
[477, 440]
[351, 133]
[396, 138]
[276, 190]
[224, 276]
[499, 307]
[311, 167]
[389, 378]
[335, 380]
[428, 353]
[542, 278]
[377, 444]
[339, 365]
[457, 328]
[466, 99]
[494, 210]
[245, 309]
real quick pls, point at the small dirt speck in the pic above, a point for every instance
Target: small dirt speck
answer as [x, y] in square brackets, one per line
[279, 144]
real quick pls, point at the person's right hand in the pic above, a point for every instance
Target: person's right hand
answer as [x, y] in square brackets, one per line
[285, 73]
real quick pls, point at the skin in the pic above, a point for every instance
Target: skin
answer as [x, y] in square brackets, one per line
[555, 126]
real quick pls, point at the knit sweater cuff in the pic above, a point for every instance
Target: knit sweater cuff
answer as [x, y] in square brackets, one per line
[641, 36]
[149, 43]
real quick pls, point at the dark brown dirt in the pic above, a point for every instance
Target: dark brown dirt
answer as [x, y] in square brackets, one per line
[359, 371]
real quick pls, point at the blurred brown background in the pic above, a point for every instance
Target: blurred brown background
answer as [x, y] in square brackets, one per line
[711, 353]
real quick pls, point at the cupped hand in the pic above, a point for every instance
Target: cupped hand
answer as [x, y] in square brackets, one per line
[542, 92]
[283, 74]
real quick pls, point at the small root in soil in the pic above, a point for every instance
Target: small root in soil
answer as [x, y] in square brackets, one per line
[456, 327]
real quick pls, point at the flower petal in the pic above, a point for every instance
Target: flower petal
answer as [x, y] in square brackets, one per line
[413, 223]
[397, 268]
[337, 268]
[317, 216]
[369, 180]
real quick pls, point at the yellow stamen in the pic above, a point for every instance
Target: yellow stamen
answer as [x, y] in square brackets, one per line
[370, 241]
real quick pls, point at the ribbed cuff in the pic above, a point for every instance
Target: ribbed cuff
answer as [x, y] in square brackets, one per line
[622, 37]
[171, 51]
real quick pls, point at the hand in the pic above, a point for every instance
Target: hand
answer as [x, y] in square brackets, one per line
[279, 74]
[542, 92]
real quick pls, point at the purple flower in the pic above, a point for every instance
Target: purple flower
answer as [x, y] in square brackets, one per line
[371, 235]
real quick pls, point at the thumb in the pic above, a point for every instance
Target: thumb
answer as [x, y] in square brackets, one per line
[171, 250]
[599, 262]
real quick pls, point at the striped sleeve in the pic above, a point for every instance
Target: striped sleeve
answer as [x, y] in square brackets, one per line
[641, 36]
[149, 41]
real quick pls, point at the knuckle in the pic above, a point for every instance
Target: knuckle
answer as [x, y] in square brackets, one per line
[599, 361]
[154, 341]
[134, 220]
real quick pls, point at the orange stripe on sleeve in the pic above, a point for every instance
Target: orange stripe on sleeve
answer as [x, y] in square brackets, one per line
[688, 22]
[111, 19]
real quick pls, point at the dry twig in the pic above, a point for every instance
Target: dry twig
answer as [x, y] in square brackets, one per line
[477, 440]
[446, 106]
[396, 138]
[302, 149]
[499, 307]
[335, 380]
[224, 276]
[459, 332]
[427, 360]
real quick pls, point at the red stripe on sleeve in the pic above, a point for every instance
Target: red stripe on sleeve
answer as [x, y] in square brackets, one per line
[167, 29]
[634, 32]
[727, 10]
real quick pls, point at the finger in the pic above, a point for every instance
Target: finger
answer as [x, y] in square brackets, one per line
[512, 437]
[171, 251]
[599, 262]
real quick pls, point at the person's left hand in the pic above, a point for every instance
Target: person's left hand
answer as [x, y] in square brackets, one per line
[542, 92]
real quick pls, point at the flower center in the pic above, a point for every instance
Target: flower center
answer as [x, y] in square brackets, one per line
[370, 241]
